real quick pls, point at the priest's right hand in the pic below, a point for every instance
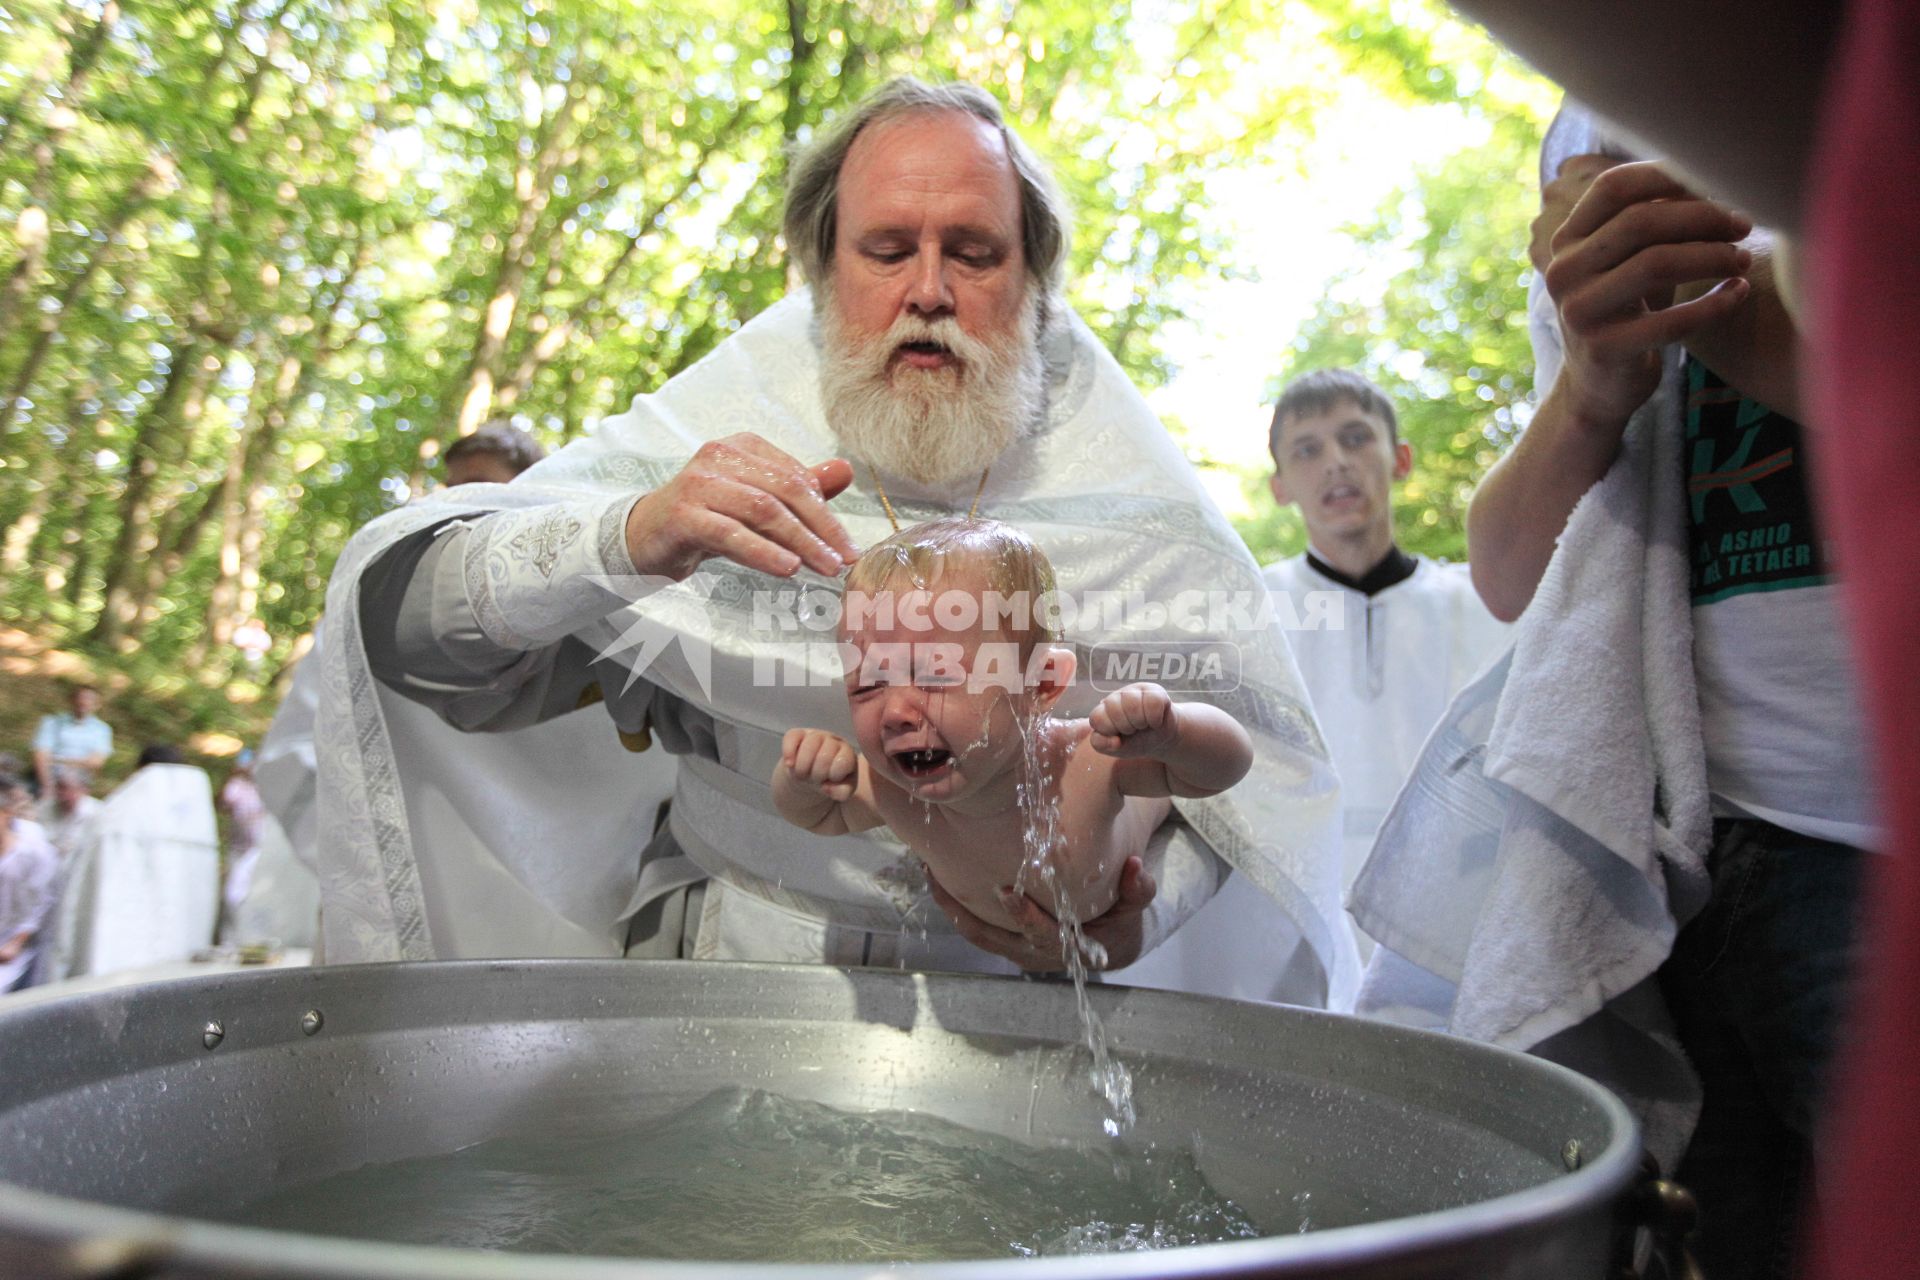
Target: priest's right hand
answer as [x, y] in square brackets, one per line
[748, 501]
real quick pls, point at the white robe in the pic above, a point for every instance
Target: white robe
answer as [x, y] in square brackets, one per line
[1381, 670]
[280, 901]
[1382, 673]
[284, 768]
[144, 887]
[573, 765]
[1099, 485]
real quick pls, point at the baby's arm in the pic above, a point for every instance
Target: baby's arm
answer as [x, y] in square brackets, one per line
[1168, 748]
[822, 784]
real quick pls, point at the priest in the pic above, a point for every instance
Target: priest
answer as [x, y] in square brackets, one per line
[654, 567]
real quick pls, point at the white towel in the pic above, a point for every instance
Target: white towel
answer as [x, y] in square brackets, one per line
[1532, 874]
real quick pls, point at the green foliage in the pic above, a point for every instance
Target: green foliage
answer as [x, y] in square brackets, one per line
[1445, 336]
[260, 254]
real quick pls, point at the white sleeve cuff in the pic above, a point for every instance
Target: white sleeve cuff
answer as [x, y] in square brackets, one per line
[534, 577]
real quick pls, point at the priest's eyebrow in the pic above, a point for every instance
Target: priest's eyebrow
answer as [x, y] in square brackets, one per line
[968, 233]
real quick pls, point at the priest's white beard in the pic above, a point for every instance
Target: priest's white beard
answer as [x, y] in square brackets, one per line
[933, 426]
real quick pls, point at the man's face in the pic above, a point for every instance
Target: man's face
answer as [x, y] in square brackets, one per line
[67, 793]
[480, 468]
[932, 363]
[85, 703]
[929, 226]
[1338, 467]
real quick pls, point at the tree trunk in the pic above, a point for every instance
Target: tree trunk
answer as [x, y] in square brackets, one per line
[801, 46]
[237, 494]
[175, 541]
[81, 569]
[158, 171]
[156, 175]
[142, 586]
[554, 339]
[242, 502]
[25, 530]
[128, 593]
[533, 191]
[185, 381]
[141, 459]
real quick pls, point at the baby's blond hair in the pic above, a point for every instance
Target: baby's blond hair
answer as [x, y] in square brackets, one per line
[993, 555]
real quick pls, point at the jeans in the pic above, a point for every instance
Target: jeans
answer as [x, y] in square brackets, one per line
[1757, 985]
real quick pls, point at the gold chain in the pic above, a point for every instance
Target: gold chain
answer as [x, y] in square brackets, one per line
[973, 512]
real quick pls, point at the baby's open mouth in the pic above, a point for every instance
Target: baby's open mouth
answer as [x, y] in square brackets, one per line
[922, 761]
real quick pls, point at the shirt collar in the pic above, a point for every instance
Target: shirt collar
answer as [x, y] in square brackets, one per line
[1394, 568]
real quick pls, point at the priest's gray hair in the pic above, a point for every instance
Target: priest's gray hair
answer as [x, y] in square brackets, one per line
[813, 182]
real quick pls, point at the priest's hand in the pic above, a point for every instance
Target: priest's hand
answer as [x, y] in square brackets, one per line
[1035, 946]
[743, 499]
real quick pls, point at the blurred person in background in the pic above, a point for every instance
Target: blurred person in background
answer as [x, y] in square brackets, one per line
[246, 819]
[76, 737]
[494, 454]
[65, 812]
[29, 881]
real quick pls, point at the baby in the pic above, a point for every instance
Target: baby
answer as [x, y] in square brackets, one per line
[949, 690]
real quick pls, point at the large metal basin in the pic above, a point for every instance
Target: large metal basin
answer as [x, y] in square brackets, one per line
[118, 1124]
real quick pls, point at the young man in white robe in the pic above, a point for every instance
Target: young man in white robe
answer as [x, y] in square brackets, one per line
[1384, 640]
[1402, 633]
[933, 368]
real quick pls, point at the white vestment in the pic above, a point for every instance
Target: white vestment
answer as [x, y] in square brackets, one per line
[1098, 484]
[281, 898]
[284, 767]
[144, 887]
[1380, 670]
[563, 777]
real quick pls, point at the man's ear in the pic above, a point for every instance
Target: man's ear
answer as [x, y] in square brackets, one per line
[1402, 460]
[1278, 488]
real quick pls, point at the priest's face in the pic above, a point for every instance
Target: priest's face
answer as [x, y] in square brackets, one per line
[1338, 467]
[932, 363]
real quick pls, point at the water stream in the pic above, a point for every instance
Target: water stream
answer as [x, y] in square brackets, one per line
[1039, 793]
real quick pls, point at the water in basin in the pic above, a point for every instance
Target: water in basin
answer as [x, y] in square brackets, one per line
[745, 1175]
